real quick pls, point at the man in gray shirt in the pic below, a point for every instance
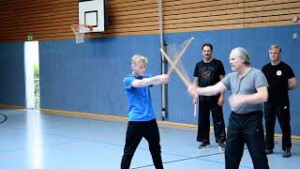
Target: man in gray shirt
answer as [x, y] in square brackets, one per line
[249, 91]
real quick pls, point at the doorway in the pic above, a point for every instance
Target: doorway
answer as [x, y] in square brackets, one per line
[32, 74]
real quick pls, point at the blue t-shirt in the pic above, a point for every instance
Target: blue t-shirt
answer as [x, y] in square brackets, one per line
[139, 98]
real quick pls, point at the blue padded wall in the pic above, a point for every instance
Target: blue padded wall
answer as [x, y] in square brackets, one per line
[12, 80]
[88, 77]
[256, 41]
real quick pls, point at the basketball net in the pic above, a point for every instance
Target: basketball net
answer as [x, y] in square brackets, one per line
[79, 31]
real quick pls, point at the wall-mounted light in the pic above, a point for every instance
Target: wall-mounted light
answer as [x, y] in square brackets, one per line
[295, 19]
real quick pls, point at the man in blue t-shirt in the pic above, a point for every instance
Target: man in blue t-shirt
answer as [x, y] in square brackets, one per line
[281, 79]
[142, 122]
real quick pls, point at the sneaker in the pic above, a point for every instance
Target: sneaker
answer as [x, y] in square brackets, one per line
[286, 153]
[269, 151]
[222, 146]
[203, 144]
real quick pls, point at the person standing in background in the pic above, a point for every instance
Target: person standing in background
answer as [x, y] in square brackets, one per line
[209, 71]
[281, 79]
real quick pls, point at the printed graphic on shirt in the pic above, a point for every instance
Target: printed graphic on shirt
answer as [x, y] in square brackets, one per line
[279, 73]
[207, 75]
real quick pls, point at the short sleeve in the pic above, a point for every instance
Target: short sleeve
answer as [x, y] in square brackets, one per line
[226, 81]
[221, 68]
[196, 71]
[260, 79]
[128, 81]
[290, 72]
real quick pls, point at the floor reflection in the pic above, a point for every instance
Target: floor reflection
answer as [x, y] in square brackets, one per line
[34, 139]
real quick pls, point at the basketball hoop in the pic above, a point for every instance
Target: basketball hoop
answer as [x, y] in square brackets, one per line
[79, 31]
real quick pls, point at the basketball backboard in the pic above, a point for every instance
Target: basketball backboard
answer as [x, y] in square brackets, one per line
[91, 12]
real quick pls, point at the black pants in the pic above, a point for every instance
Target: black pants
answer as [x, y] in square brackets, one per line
[245, 129]
[205, 107]
[135, 132]
[283, 114]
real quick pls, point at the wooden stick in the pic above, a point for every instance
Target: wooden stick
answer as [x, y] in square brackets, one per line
[181, 75]
[180, 55]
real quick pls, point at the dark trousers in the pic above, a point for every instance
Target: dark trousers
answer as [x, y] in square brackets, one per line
[135, 132]
[283, 114]
[205, 107]
[245, 129]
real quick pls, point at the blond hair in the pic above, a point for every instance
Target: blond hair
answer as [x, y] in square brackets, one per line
[138, 58]
[275, 47]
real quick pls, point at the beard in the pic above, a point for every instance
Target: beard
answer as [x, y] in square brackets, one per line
[233, 68]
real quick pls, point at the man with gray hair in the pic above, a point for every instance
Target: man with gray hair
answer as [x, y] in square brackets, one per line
[249, 91]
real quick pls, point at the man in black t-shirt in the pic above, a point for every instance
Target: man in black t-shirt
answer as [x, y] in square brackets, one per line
[208, 72]
[281, 79]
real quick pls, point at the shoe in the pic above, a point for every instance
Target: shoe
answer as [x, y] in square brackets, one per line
[203, 144]
[222, 146]
[286, 153]
[269, 151]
